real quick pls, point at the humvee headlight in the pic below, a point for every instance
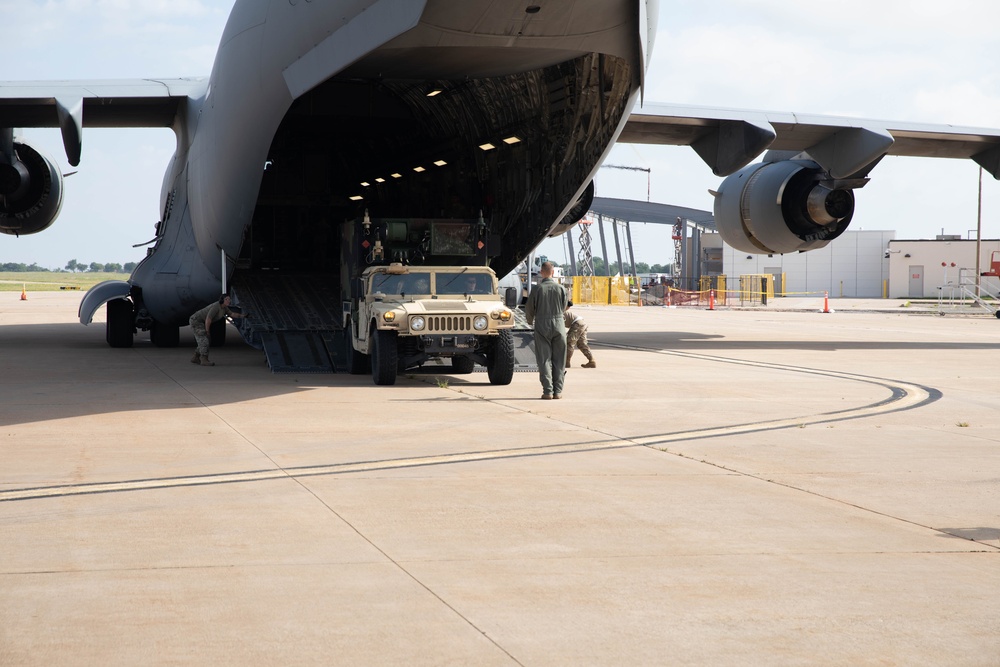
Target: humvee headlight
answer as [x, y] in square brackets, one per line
[480, 323]
[417, 323]
[502, 315]
[389, 316]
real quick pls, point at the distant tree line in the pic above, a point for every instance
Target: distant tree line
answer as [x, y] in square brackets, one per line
[21, 267]
[96, 267]
[72, 266]
[640, 267]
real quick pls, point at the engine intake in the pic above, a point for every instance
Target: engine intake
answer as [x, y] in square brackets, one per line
[30, 191]
[786, 206]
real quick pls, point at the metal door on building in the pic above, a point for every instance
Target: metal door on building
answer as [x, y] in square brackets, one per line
[775, 272]
[916, 282]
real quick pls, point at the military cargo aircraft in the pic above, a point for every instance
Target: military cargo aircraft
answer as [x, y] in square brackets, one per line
[494, 112]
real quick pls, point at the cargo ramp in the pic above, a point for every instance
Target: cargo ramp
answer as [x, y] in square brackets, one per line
[296, 321]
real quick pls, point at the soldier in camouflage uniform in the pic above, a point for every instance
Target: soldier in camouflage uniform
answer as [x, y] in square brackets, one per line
[201, 323]
[576, 336]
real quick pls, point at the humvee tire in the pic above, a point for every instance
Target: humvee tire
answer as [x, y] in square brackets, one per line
[462, 365]
[384, 357]
[358, 363]
[500, 359]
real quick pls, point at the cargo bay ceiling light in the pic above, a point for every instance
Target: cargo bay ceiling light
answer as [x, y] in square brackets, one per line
[419, 169]
[435, 92]
[357, 198]
[396, 175]
[440, 163]
[380, 180]
[512, 140]
[487, 146]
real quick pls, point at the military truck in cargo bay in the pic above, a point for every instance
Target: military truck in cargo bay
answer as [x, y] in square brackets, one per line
[402, 312]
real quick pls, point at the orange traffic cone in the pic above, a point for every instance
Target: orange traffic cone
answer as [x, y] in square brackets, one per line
[24, 294]
[826, 302]
[711, 299]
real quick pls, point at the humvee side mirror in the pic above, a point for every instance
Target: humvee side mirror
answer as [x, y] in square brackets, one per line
[511, 297]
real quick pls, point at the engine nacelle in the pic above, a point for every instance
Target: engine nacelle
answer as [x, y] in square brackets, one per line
[30, 191]
[786, 206]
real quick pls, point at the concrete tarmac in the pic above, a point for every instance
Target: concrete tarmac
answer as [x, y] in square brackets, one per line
[774, 486]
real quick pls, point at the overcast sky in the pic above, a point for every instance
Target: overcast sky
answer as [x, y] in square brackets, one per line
[915, 60]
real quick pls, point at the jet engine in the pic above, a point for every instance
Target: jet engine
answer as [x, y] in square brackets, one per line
[784, 206]
[30, 190]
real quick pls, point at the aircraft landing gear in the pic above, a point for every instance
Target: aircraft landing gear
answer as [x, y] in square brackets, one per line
[162, 335]
[120, 325]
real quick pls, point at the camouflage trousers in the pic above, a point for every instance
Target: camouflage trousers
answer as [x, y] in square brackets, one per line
[200, 336]
[576, 338]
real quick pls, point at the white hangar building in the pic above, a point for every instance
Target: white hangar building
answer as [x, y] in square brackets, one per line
[858, 264]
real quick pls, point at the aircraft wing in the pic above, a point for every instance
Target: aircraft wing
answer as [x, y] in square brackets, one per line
[73, 105]
[729, 139]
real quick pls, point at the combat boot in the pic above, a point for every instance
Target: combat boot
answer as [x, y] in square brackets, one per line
[205, 361]
[589, 364]
[196, 359]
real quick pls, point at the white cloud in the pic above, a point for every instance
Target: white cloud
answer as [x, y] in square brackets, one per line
[862, 58]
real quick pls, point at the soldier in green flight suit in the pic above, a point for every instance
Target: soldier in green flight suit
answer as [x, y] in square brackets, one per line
[544, 311]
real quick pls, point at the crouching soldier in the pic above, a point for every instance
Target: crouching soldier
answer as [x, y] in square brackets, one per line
[576, 337]
[201, 324]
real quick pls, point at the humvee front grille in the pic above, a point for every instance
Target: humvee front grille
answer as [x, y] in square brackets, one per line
[448, 323]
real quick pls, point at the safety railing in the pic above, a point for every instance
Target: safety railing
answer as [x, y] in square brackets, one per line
[603, 290]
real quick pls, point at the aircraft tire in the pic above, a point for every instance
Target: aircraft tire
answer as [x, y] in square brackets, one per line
[162, 335]
[217, 335]
[462, 365]
[120, 326]
[384, 357]
[500, 359]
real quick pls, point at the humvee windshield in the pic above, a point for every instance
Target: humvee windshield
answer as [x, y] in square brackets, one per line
[419, 282]
[409, 283]
[464, 283]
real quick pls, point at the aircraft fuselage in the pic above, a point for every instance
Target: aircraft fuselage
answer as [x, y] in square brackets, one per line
[317, 111]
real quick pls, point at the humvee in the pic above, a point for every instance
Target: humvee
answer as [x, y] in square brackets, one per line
[401, 317]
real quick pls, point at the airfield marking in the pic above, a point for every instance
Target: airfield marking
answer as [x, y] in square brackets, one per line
[903, 396]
